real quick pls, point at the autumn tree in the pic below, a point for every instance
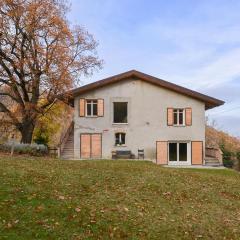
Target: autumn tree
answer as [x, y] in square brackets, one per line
[50, 126]
[42, 56]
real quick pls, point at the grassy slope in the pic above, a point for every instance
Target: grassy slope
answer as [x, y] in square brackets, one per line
[53, 199]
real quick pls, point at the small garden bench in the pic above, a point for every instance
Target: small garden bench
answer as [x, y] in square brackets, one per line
[122, 154]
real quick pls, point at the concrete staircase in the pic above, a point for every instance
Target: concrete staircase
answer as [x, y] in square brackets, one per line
[213, 162]
[213, 157]
[67, 150]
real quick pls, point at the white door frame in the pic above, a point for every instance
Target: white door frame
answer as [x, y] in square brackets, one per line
[182, 163]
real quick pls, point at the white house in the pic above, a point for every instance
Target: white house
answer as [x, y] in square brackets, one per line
[134, 115]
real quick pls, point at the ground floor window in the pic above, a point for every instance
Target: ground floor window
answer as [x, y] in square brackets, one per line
[178, 151]
[120, 139]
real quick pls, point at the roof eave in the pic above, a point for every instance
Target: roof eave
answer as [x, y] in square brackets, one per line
[210, 102]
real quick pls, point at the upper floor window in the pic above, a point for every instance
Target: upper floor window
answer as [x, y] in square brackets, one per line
[120, 139]
[91, 108]
[120, 112]
[178, 117]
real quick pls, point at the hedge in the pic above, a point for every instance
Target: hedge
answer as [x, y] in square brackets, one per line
[23, 148]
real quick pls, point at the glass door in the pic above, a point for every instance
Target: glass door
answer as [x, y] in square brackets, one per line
[179, 153]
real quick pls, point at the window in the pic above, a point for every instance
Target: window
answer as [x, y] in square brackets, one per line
[182, 152]
[120, 139]
[178, 117]
[91, 108]
[120, 112]
[172, 151]
[178, 152]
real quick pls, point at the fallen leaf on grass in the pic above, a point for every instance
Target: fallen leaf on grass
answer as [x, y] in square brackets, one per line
[125, 209]
[167, 193]
[9, 225]
[140, 214]
[39, 208]
[77, 209]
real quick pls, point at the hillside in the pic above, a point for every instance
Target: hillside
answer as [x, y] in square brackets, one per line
[54, 199]
[215, 138]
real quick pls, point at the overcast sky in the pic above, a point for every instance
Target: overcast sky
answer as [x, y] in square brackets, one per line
[192, 43]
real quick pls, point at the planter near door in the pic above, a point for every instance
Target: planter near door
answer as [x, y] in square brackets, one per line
[91, 145]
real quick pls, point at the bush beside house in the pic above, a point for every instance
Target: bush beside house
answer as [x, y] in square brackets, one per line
[21, 148]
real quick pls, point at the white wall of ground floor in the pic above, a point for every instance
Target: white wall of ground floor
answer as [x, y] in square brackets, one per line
[137, 138]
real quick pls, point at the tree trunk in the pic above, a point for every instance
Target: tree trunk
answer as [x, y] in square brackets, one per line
[27, 132]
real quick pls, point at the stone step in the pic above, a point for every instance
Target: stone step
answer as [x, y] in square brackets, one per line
[211, 161]
[68, 147]
[213, 164]
[208, 157]
[67, 151]
[67, 157]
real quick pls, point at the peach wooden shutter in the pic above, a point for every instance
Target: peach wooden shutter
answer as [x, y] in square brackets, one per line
[85, 145]
[162, 152]
[170, 116]
[188, 116]
[197, 153]
[100, 107]
[96, 146]
[82, 107]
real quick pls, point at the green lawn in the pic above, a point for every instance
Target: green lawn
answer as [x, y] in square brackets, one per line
[56, 199]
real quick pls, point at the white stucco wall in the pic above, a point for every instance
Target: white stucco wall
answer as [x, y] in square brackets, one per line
[147, 118]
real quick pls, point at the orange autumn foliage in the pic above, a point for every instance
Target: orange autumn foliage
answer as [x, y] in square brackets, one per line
[42, 56]
[217, 138]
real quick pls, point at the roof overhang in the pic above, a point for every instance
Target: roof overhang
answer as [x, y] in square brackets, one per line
[210, 102]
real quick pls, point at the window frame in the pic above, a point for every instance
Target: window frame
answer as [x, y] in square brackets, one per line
[92, 103]
[177, 111]
[120, 136]
[119, 123]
